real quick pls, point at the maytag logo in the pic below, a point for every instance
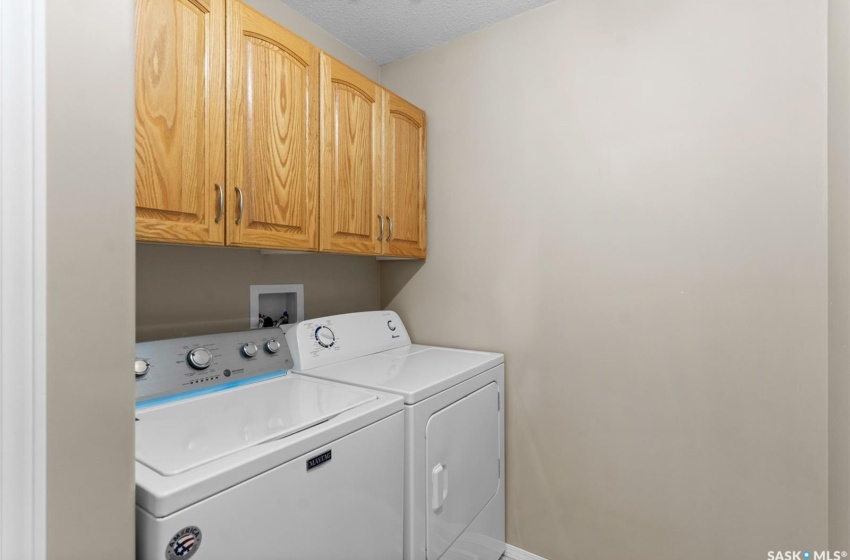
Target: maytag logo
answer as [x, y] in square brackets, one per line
[318, 460]
[806, 555]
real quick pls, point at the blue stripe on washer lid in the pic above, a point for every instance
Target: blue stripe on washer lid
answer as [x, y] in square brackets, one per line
[209, 390]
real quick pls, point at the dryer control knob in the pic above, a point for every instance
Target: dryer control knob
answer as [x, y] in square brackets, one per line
[142, 367]
[325, 337]
[249, 350]
[273, 346]
[200, 358]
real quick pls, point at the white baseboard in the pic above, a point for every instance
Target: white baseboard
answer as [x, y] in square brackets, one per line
[514, 553]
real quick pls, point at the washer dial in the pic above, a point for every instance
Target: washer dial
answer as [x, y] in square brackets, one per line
[200, 358]
[249, 349]
[142, 367]
[325, 337]
[272, 346]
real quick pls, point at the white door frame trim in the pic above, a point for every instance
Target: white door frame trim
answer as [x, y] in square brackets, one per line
[23, 268]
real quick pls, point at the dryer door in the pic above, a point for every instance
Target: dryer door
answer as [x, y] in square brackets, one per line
[462, 454]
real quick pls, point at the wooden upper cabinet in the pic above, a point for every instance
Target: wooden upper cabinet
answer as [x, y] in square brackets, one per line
[179, 120]
[351, 170]
[247, 135]
[404, 178]
[272, 134]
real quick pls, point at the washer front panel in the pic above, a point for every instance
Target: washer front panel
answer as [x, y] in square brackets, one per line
[349, 506]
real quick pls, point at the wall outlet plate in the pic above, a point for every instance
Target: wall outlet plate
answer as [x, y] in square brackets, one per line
[273, 299]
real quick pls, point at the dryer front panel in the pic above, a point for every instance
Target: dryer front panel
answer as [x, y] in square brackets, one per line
[463, 465]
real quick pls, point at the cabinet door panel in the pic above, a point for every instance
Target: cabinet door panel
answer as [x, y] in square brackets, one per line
[404, 192]
[272, 134]
[179, 120]
[351, 170]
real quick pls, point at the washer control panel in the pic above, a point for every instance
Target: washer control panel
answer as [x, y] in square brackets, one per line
[169, 367]
[328, 340]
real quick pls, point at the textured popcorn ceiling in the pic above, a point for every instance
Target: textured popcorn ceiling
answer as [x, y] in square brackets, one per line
[386, 30]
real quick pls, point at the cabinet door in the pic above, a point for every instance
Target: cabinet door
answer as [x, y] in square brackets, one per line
[179, 120]
[404, 191]
[272, 134]
[351, 161]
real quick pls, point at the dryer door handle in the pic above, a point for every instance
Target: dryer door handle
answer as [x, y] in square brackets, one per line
[439, 486]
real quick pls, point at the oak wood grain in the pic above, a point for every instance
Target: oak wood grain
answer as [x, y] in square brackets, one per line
[404, 189]
[179, 120]
[351, 171]
[273, 133]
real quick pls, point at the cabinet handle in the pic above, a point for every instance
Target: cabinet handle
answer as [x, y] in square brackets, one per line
[390, 236]
[239, 216]
[381, 221]
[220, 202]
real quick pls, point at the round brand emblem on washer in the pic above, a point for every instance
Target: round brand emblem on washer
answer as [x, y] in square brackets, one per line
[184, 544]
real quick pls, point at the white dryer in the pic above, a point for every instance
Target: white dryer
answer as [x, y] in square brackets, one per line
[236, 457]
[454, 426]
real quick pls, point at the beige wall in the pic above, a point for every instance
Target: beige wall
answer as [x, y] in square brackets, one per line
[839, 274]
[90, 277]
[629, 199]
[184, 291]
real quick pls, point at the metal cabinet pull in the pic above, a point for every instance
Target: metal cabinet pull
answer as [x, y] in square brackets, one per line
[390, 236]
[381, 221]
[220, 202]
[239, 216]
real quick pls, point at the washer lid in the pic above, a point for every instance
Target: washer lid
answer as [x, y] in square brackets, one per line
[416, 372]
[181, 436]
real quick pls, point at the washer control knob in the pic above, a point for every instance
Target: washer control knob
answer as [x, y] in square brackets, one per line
[391, 325]
[249, 350]
[273, 346]
[200, 358]
[142, 367]
[325, 337]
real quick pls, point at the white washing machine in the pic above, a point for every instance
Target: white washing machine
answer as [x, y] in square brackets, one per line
[236, 457]
[454, 426]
